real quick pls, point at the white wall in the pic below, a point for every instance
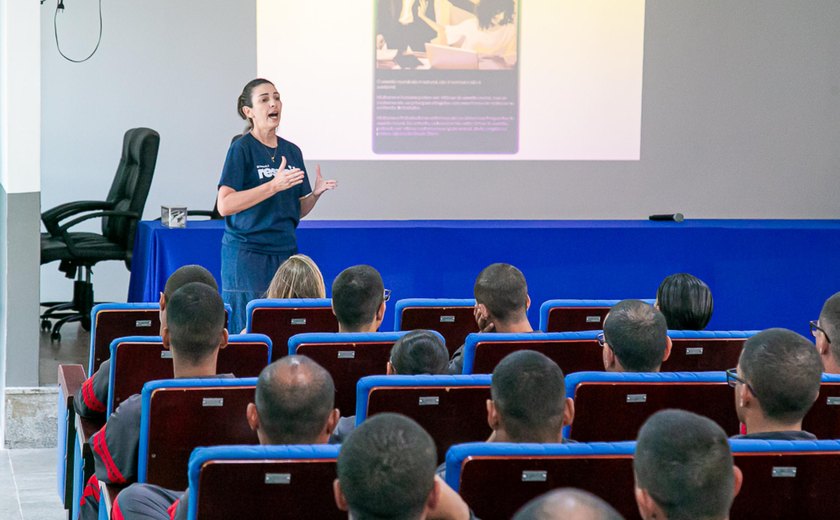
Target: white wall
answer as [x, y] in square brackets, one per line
[739, 120]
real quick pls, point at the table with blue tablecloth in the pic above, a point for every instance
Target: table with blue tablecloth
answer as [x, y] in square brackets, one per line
[762, 273]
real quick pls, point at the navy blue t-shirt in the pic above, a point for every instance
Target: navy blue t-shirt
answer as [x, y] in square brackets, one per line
[268, 227]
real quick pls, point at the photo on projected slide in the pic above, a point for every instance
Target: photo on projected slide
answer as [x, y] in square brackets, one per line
[446, 77]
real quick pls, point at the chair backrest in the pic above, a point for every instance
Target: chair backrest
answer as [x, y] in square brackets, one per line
[705, 350]
[110, 321]
[496, 479]
[613, 406]
[348, 357]
[261, 481]
[575, 315]
[282, 319]
[139, 359]
[572, 351]
[179, 415]
[453, 318]
[823, 420]
[451, 408]
[131, 185]
[787, 479]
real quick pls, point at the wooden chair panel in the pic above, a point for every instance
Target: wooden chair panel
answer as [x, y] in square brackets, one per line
[570, 355]
[823, 420]
[703, 355]
[281, 323]
[110, 324]
[572, 319]
[453, 323]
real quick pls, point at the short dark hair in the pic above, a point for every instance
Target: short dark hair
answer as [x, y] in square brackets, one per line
[357, 293]
[567, 503]
[386, 468]
[686, 301]
[784, 369]
[529, 392]
[295, 397]
[195, 319]
[637, 334]
[503, 290]
[830, 323]
[419, 352]
[684, 463]
[188, 274]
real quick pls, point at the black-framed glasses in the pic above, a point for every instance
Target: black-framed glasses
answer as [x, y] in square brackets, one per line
[732, 379]
[601, 339]
[816, 327]
[387, 295]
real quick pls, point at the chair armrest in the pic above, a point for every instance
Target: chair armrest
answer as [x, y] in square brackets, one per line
[68, 238]
[70, 379]
[52, 216]
[85, 429]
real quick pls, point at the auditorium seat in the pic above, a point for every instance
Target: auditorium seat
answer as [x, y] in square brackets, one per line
[572, 351]
[347, 357]
[263, 482]
[70, 379]
[823, 420]
[117, 320]
[705, 350]
[496, 479]
[787, 479]
[575, 315]
[453, 409]
[137, 360]
[282, 319]
[452, 318]
[207, 412]
[613, 406]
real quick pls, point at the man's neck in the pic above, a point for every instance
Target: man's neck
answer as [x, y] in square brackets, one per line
[764, 425]
[831, 364]
[521, 325]
[500, 435]
[182, 370]
[368, 327]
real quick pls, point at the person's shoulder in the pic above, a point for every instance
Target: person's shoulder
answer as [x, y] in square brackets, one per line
[288, 145]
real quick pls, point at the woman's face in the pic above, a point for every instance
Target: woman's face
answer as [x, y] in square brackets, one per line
[266, 107]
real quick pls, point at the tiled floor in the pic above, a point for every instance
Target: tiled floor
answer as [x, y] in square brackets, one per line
[28, 485]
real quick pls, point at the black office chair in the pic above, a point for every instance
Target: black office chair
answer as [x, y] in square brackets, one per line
[79, 251]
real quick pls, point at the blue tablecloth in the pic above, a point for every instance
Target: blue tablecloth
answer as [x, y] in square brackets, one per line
[763, 273]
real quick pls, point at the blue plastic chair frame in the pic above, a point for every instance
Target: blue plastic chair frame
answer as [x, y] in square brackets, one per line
[368, 383]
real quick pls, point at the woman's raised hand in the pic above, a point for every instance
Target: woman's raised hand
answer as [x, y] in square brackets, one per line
[322, 185]
[285, 179]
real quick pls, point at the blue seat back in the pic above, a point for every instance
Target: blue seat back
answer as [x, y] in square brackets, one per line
[572, 351]
[452, 318]
[282, 319]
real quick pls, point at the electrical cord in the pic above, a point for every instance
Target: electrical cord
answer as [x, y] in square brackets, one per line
[60, 7]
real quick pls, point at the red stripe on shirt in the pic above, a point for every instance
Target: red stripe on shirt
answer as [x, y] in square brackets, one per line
[116, 514]
[89, 396]
[91, 490]
[173, 509]
[100, 446]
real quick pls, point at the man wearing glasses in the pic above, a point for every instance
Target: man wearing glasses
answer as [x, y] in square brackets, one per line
[358, 299]
[826, 328]
[776, 382]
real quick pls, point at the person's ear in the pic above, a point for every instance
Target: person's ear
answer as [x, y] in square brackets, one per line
[527, 302]
[380, 313]
[223, 339]
[492, 415]
[389, 369]
[338, 494]
[745, 396]
[252, 416]
[162, 301]
[569, 412]
[332, 422]
[434, 496]
[739, 479]
[166, 338]
[668, 345]
[822, 345]
[647, 507]
[609, 357]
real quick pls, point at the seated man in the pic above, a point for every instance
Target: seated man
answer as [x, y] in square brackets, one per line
[386, 469]
[501, 305]
[358, 299]
[826, 328]
[776, 382]
[293, 404]
[89, 401]
[567, 504]
[635, 338]
[418, 352]
[688, 475]
[194, 331]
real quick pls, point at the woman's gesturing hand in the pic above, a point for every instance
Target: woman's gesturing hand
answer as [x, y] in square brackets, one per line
[322, 185]
[285, 179]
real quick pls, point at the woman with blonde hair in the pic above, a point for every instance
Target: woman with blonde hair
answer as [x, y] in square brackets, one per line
[297, 277]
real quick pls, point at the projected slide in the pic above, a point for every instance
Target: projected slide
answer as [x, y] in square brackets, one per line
[457, 79]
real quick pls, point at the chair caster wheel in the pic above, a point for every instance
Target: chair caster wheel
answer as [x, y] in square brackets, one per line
[55, 336]
[46, 325]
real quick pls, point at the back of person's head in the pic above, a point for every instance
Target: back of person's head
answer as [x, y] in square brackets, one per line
[295, 400]
[638, 335]
[686, 301]
[784, 370]
[683, 464]
[830, 323]
[419, 352]
[195, 322]
[357, 295]
[503, 290]
[567, 504]
[297, 277]
[386, 469]
[529, 395]
[188, 274]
